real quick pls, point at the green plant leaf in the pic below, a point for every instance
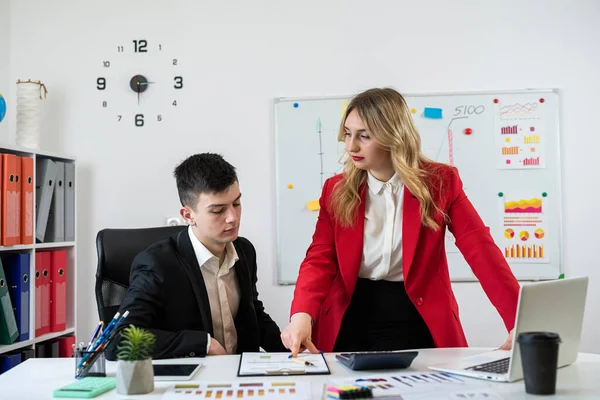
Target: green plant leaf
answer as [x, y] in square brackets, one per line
[136, 344]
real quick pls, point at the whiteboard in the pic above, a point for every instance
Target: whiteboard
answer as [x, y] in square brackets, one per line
[504, 144]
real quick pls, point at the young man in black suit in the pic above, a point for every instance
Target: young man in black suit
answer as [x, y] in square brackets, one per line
[196, 289]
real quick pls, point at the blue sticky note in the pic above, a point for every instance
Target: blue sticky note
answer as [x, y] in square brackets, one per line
[432, 113]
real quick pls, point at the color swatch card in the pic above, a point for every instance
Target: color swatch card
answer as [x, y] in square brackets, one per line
[261, 364]
[240, 390]
[415, 385]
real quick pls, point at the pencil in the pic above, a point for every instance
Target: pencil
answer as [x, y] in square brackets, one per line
[301, 362]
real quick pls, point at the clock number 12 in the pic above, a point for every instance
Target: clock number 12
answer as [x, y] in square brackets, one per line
[139, 46]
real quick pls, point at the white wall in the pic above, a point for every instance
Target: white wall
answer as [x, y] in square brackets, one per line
[4, 63]
[239, 55]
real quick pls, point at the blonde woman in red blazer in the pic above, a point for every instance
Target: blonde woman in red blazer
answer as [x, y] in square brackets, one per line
[376, 276]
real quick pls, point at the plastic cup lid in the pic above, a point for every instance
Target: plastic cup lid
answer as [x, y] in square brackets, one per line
[538, 337]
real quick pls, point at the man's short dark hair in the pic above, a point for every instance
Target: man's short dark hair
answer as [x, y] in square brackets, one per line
[203, 173]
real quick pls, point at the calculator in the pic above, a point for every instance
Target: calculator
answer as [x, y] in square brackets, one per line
[90, 386]
[377, 359]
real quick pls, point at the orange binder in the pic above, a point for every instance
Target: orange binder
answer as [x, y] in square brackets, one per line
[42, 293]
[9, 198]
[26, 200]
[58, 291]
[17, 200]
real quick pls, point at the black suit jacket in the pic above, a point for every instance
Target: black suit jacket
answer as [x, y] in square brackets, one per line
[167, 296]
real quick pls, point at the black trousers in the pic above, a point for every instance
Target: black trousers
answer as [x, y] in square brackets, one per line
[382, 317]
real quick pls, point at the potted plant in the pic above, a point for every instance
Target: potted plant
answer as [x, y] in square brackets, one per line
[134, 366]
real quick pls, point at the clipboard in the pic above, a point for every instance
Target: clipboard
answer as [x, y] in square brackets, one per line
[279, 364]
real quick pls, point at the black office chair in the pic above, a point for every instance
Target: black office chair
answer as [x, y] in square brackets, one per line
[116, 250]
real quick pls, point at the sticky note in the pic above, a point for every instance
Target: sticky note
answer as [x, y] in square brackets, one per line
[344, 107]
[429, 112]
[290, 186]
[313, 205]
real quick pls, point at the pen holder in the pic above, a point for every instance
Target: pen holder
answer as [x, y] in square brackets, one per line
[89, 363]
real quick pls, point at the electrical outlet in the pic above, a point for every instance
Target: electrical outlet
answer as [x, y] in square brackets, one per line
[174, 221]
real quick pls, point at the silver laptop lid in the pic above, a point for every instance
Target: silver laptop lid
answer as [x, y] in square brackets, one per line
[552, 306]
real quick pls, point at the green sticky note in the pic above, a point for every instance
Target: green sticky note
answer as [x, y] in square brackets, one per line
[561, 276]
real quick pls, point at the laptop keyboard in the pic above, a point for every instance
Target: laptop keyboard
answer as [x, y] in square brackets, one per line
[496, 367]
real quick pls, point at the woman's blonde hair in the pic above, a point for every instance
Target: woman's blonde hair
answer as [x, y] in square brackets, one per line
[390, 125]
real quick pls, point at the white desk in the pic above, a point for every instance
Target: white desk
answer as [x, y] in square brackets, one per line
[37, 378]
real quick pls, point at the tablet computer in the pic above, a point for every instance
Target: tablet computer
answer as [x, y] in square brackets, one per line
[175, 372]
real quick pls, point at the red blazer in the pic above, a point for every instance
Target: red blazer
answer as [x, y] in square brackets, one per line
[329, 271]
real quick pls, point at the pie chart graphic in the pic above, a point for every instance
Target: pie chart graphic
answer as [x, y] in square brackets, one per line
[524, 235]
[509, 233]
[539, 233]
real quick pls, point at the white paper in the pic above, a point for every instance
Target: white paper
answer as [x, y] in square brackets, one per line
[280, 364]
[520, 133]
[525, 225]
[240, 390]
[414, 385]
[473, 394]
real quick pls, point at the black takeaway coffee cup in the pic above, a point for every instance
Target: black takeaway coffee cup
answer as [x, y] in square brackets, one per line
[539, 357]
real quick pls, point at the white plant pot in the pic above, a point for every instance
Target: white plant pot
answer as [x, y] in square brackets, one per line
[135, 377]
[29, 106]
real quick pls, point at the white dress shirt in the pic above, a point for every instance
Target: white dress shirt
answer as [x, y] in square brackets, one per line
[223, 292]
[382, 248]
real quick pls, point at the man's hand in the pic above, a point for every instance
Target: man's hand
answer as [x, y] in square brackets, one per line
[297, 335]
[215, 348]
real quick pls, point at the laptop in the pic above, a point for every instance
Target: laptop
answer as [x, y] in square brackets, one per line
[552, 306]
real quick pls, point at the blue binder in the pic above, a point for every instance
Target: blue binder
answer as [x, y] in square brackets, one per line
[16, 268]
[8, 361]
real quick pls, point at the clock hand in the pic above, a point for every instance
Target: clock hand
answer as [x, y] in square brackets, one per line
[138, 89]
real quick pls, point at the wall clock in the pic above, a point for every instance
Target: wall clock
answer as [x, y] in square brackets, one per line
[139, 83]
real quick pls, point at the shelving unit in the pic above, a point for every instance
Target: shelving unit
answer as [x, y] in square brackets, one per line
[69, 246]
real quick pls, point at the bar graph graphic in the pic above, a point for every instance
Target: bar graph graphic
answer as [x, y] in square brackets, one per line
[510, 150]
[524, 251]
[532, 139]
[531, 161]
[533, 205]
[509, 130]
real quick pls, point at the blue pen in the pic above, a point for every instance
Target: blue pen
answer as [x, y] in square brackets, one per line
[108, 333]
[112, 322]
[103, 340]
[125, 314]
[94, 335]
[109, 330]
[99, 340]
